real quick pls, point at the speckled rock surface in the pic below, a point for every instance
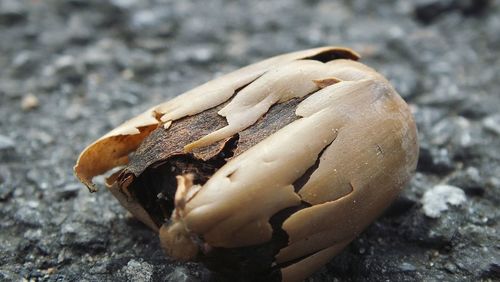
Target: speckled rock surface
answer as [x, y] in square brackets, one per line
[72, 70]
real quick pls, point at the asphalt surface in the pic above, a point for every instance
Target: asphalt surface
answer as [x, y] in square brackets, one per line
[72, 70]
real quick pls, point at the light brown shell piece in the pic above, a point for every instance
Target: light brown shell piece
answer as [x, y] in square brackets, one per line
[112, 149]
[348, 185]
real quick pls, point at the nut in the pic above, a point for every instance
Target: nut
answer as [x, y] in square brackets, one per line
[267, 172]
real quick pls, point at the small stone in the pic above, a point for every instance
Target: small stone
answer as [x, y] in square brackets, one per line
[64, 63]
[203, 54]
[124, 4]
[66, 67]
[51, 270]
[407, 267]
[86, 236]
[434, 160]
[493, 271]
[33, 235]
[29, 215]
[196, 54]
[144, 18]
[6, 143]
[79, 31]
[139, 62]
[450, 267]
[179, 274]
[429, 11]
[455, 130]
[6, 186]
[12, 12]
[492, 123]
[29, 102]
[436, 200]
[494, 182]
[139, 271]
[69, 191]
[24, 63]
[43, 136]
[100, 53]
[152, 22]
[470, 181]
[127, 74]
[7, 148]
[34, 175]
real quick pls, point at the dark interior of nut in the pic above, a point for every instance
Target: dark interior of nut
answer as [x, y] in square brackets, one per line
[330, 55]
[158, 198]
[160, 158]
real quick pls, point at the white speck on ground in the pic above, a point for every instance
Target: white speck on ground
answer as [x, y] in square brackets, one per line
[492, 123]
[29, 102]
[437, 199]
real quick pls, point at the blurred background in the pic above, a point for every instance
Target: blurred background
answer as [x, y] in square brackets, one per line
[72, 70]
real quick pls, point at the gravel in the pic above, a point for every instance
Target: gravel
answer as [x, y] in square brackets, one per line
[88, 65]
[436, 200]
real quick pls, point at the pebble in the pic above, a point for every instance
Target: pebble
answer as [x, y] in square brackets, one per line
[436, 200]
[67, 67]
[69, 191]
[492, 123]
[6, 143]
[454, 130]
[6, 185]
[196, 54]
[180, 274]
[29, 215]
[430, 11]
[435, 160]
[124, 4]
[470, 181]
[24, 63]
[79, 31]
[407, 267]
[83, 235]
[12, 12]
[29, 102]
[139, 271]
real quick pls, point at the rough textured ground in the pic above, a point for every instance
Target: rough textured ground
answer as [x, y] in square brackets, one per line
[72, 70]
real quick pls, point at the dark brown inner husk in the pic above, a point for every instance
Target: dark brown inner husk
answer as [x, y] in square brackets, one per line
[160, 158]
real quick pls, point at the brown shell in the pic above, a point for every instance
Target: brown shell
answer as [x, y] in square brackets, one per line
[313, 138]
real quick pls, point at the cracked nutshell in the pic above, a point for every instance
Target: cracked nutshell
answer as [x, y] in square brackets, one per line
[266, 173]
